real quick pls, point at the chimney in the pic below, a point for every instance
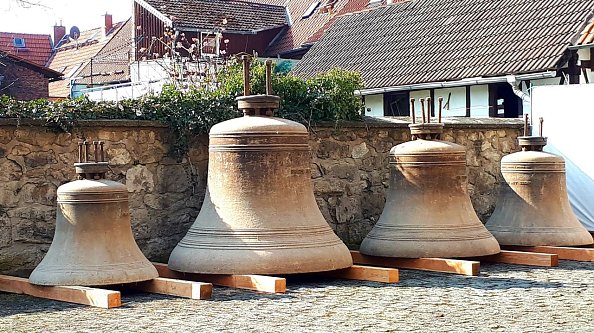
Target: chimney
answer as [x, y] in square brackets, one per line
[108, 23]
[59, 32]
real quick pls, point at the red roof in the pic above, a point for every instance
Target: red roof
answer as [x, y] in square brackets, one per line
[37, 48]
[305, 31]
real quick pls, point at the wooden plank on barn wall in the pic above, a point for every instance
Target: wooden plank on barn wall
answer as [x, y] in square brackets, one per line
[468, 101]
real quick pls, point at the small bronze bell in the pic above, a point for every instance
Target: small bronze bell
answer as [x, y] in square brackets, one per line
[93, 243]
[428, 212]
[533, 206]
[259, 215]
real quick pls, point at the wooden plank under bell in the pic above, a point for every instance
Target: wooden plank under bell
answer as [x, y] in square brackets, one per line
[564, 253]
[101, 298]
[365, 273]
[456, 266]
[269, 284]
[175, 287]
[522, 258]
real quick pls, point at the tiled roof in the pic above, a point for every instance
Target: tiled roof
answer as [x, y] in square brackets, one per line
[305, 31]
[587, 36]
[241, 16]
[112, 62]
[38, 48]
[71, 57]
[47, 72]
[437, 40]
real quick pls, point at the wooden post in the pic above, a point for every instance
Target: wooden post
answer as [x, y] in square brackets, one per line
[464, 267]
[262, 283]
[174, 287]
[101, 298]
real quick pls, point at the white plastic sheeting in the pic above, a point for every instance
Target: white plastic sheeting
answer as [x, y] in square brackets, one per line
[569, 125]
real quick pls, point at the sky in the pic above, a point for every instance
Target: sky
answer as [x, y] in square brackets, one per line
[15, 16]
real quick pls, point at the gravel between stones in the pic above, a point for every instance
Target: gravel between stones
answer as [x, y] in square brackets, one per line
[504, 298]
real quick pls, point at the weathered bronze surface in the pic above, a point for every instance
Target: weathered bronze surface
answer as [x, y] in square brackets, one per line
[428, 212]
[533, 206]
[93, 243]
[259, 215]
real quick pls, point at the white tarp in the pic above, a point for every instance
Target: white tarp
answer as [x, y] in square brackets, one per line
[569, 125]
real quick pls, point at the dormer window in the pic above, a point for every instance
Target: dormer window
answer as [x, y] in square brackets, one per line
[18, 42]
[373, 3]
[311, 9]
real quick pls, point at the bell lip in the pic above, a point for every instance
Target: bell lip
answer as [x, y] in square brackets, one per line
[44, 277]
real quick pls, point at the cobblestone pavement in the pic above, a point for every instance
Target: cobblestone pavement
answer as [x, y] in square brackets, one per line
[504, 298]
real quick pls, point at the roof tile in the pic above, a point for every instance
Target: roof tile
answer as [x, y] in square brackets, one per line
[434, 40]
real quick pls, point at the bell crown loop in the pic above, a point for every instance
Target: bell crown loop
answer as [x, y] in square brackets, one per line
[532, 142]
[257, 105]
[425, 130]
[86, 168]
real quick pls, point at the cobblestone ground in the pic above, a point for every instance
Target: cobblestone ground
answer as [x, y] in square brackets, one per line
[503, 298]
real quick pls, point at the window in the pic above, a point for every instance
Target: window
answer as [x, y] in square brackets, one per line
[397, 104]
[18, 42]
[210, 44]
[311, 9]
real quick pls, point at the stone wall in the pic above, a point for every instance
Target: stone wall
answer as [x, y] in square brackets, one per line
[349, 172]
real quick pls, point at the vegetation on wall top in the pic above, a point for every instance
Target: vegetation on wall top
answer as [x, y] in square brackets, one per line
[193, 111]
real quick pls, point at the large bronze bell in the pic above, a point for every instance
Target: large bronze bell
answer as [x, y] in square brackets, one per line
[259, 215]
[428, 212]
[93, 243]
[533, 206]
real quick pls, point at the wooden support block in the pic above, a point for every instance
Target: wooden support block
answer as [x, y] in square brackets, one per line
[464, 267]
[175, 287]
[522, 258]
[262, 283]
[101, 298]
[565, 253]
[365, 273]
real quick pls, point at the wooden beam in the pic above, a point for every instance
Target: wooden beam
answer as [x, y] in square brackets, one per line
[175, 287]
[101, 298]
[456, 266]
[365, 273]
[269, 284]
[564, 253]
[522, 258]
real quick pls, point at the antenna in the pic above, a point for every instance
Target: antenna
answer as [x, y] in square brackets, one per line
[74, 32]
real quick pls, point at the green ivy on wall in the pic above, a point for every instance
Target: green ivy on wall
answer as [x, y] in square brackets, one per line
[326, 97]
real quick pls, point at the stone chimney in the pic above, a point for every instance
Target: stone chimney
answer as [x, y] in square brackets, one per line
[108, 23]
[59, 32]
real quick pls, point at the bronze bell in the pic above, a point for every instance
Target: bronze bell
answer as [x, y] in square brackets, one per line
[533, 207]
[93, 243]
[259, 215]
[428, 212]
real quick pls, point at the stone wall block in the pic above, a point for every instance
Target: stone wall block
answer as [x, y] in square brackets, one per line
[173, 178]
[10, 170]
[38, 193]
[359, 150]
[118, 154]
[40, 158]
[139, 178]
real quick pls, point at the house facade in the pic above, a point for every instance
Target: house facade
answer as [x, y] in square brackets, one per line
[481, 57]
[23, 79]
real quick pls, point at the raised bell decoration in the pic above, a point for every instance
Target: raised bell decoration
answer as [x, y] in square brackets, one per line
[259, 215]
[93, 243]
[533, 207]
[428, 212]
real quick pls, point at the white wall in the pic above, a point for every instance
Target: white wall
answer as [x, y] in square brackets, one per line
[457, 101]
[568, 119]
[479, 101]
[376, 105]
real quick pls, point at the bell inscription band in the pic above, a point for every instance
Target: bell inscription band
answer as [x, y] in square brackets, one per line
[533, 207]
[93, 243]
[428, 212]
[259, 215]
